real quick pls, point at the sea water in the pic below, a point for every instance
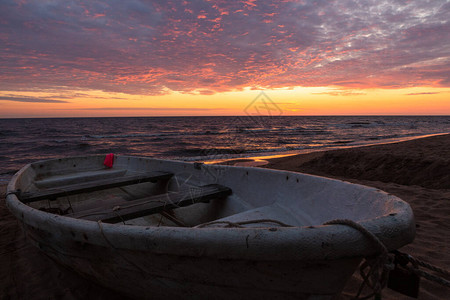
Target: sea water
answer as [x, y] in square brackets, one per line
[199, 138]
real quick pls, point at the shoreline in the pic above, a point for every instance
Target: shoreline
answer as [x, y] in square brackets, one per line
[260, 160]
[424, 162]
[416, 171]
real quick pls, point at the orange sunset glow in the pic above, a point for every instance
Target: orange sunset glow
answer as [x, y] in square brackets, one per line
[157, 58]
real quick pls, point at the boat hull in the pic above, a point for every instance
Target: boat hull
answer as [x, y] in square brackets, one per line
[146, 275]
[308, 261]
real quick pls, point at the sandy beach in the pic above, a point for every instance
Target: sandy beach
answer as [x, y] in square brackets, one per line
[417, 171]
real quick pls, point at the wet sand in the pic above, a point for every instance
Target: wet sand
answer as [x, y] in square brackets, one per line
[417, 171]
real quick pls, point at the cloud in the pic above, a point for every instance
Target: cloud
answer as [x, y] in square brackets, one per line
[341, 93]
[424, 93]
[30, 99]
[143, 108]
[155, 47]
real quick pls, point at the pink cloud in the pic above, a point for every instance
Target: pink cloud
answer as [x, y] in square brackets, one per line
[150, 47]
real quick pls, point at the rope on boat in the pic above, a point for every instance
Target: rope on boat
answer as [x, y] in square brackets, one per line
[416, 261]
[378, 266]
[429, 276]
[404, 258]
[15, 192]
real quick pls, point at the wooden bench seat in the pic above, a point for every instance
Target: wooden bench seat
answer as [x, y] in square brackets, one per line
[78, 177]
[92, 186]
[128, 210]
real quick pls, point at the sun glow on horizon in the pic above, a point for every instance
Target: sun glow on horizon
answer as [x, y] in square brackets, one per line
[293, 101]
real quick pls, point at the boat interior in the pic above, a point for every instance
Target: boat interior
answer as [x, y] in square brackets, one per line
[150, 192]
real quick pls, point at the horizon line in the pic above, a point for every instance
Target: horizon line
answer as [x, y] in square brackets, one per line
[228, 116]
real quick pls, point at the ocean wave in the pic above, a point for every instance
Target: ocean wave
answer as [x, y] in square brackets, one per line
[343, 142]
[218, 153]
[9, 173]
[6, 176]
[204, 151]
[360, 123]
[384, 137]
[150, 135]
[84, 145]
[88, 137]
[315, 132]
[223, 132]
[4, 133]
[59, 141]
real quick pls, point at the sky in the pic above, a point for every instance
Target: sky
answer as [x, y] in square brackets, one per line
[159, 58]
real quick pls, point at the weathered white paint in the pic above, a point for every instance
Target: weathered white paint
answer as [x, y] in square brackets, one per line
[308, 261]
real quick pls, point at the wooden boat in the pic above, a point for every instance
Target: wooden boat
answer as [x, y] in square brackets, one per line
[162, 229]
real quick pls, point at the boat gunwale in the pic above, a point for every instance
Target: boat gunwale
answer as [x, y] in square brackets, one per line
[278, 243]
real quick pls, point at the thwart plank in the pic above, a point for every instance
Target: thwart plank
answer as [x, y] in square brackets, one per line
[128, 210]
[93, 186]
